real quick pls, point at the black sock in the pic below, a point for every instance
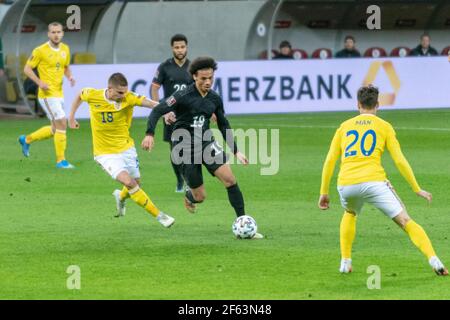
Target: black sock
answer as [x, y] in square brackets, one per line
[190, 197]
[176, 168]
[236, 199]
[177, 171]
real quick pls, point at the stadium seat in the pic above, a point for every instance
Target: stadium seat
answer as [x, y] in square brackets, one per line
[299, 54]
[400, 52]
[445, 51]
[375, 52]
[322, 53]
[263, 55]
[10, 65]
[84, 58]
[11, 94]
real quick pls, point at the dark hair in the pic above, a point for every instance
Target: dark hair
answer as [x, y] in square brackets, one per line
[178, 37]
[55, 24]
[285, 44]
[425, 35]
[368, 96]
[201, 63]
[117, 79]
[349, 37]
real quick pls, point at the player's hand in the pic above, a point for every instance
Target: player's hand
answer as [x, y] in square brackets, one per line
[324, 202]
[72, 82]
[214, 118]
[426, 195]
[170, 118]
[43, 85]
[242, 158]
[147, 143]
[73, 124]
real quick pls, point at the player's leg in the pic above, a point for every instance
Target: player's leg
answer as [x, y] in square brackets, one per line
[138, 195]
[389, 203]
[117, 166]
[352, 202]
[56, 107]
[43, 133]
[168, 129]
[235, 197]
[195, 190]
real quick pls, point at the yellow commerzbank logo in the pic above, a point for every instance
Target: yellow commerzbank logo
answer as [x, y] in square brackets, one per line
[385, 99]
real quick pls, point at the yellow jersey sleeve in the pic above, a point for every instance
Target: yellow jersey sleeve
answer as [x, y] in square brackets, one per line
[330, 162]
[85, 92]
[34, 59]
[400, 161]
[134, 99]
[67, 57]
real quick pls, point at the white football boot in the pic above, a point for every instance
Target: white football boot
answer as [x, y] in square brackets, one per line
[120, 204]
[438, 266]
[346, 266]
[166, 220]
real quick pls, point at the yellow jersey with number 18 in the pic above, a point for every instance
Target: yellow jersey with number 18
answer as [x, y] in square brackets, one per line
[50, 64]
[110, 120]
[360, 142]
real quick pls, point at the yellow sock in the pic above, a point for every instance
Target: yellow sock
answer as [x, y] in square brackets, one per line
[60, 140]
[124, 194]
[40, 134]
[141, 198]
[347, 234]
[420, 239]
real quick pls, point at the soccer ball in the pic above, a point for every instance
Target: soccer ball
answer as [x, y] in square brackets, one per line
[244, 227]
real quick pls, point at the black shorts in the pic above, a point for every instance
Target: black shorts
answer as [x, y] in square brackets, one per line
[168, 129]
[212, 156]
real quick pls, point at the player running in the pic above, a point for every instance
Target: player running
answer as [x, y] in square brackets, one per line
[52, 61]
[111, 113]
[173, 75]
[360, 141]
[194, 107]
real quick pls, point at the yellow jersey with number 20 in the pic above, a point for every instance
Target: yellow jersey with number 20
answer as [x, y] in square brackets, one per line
[360, 142]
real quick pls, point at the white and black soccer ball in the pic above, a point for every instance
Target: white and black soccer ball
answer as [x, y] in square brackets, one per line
[244, 227]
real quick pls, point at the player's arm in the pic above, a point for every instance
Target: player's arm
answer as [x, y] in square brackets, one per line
[69, 75]
[402, 164]
[148, 103]
[32, 63]
[328, 170]
[67, 70]
[157, 80]
[157, 112]
[154, 90]
[73, 124]
[225, 129]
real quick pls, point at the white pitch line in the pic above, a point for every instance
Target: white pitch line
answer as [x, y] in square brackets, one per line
[335, 127]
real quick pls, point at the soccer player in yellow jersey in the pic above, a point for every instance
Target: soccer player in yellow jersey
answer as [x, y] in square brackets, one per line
[111, 112]
[360, 142]
[52, 61]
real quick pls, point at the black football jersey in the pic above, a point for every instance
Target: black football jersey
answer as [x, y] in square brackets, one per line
[172, 77]
[193, 113]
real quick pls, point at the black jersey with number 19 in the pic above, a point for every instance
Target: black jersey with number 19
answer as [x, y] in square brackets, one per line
[193, 113]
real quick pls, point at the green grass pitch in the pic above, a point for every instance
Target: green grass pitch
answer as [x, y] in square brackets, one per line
[51, 219]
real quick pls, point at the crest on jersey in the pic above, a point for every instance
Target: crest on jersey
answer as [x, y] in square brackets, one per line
[171, 101]
[63, 54]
